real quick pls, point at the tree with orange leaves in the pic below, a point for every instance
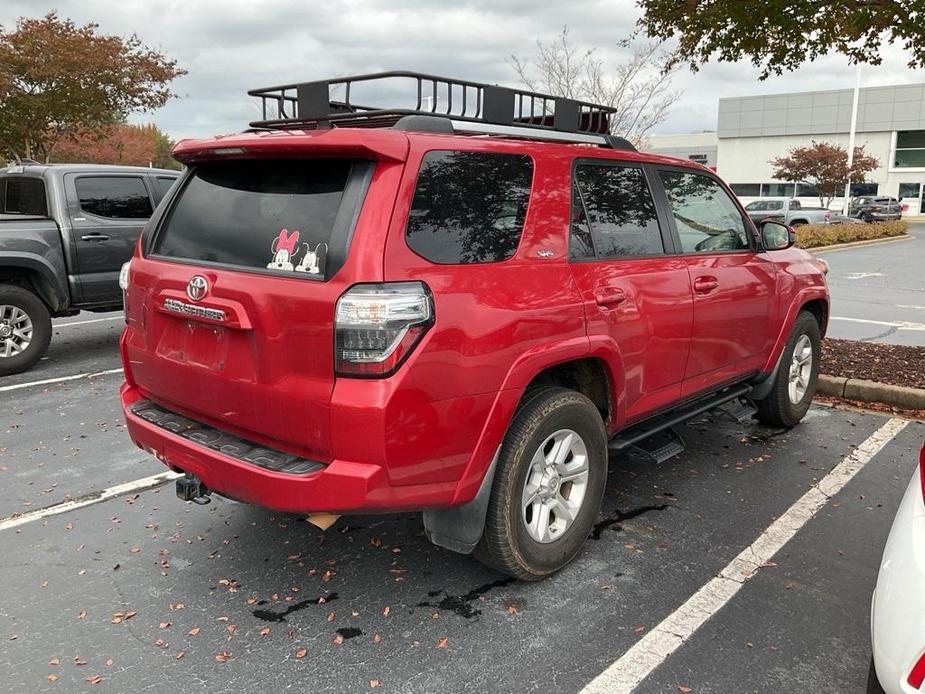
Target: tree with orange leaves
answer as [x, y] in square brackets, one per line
[58, 79]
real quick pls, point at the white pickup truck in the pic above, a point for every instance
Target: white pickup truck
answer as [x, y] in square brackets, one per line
[790, 212]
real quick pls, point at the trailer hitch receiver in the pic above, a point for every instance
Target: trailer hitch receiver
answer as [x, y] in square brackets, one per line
[191, 488]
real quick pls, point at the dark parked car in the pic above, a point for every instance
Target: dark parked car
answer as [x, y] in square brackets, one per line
[65, 231]
[875, 209]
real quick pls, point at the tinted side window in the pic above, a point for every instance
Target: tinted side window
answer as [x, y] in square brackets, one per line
[469, 207]
[23, 195]
[116, 197]
[162, 185]
[616, 207]
[707, 219]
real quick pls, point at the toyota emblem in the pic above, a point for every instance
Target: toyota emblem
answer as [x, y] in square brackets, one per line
[197, 288]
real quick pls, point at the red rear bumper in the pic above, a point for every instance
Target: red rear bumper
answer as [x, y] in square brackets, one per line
[342, 486]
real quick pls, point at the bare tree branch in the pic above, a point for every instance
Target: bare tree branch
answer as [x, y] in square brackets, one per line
[639, 87]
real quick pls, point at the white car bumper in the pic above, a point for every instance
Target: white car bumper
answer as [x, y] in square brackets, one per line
[897, 614]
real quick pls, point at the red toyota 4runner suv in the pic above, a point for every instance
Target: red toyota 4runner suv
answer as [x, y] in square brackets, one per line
[456, 308]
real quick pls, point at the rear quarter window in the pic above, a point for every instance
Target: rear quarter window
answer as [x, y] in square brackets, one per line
[283, 216]
[23, 195]
[469, 207]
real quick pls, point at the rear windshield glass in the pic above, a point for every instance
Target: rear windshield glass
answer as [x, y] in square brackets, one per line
[469, 207]
[280, 215]
[23, 195]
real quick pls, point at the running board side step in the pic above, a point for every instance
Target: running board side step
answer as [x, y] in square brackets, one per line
[633, 438]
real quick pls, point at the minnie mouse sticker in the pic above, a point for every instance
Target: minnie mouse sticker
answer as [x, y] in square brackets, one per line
[284, 249]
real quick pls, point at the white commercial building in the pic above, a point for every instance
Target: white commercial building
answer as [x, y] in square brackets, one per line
[753, 130]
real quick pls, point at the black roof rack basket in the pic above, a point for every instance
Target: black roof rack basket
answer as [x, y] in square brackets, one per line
[462, 104]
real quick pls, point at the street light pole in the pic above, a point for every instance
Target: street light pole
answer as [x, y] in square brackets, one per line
[854, 125]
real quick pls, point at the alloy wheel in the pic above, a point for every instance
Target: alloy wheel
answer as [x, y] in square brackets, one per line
[15, 330]
[555, 487]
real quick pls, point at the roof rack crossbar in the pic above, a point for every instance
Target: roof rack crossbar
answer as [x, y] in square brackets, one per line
[313, 104]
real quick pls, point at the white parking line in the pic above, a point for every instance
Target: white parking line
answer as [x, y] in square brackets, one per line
[85, 322]
[60, 379]
[89, 499]
[899, 325]
[623, 675]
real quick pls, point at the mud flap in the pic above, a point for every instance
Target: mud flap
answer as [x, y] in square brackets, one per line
[761, 388]
[460, 528]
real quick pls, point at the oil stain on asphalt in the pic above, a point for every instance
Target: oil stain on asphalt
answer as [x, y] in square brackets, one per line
[270, 616]
[462, 604]
[619, 517]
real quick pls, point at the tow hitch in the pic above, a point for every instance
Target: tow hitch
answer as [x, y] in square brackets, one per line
[191, 488]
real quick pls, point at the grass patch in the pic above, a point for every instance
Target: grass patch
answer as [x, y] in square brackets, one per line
[813, 235]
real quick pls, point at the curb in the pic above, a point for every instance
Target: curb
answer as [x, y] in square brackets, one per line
[856, 244]
[872, 391]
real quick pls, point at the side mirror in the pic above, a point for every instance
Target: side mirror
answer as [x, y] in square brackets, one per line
[776, 236]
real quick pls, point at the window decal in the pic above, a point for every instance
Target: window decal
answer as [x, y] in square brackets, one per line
[283, 248]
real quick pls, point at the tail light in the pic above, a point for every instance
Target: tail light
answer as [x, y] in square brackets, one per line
[827, 215]
[917, 674]
[378, 325]
[922, 470]
[123, 285]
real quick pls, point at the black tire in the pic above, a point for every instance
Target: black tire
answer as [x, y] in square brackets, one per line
[873, 684]
[23, 300]
[506, 543]
[778, 409]
[797, 223]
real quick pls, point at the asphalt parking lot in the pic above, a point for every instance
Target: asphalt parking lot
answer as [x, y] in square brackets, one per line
[878, 291]
[147, 593]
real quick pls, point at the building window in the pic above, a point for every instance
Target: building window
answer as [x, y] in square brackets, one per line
[910, 149]
[859, 189]
[777, 190]
[746, 189]
[699, 158]
[909, 190]
[806, 190]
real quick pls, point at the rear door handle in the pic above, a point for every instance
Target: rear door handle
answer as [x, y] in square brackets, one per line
[609, 296]
[705, 285]
[94, 237]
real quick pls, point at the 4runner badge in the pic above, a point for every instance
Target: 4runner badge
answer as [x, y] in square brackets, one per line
[197, 288]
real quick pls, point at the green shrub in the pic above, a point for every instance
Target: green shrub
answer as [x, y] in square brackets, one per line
[814, 235]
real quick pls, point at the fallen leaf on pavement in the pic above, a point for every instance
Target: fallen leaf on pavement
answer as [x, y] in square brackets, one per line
[442, 642]
[194, 631]
[223, 656]
[373, 684]
[94, 679]
[684, 690]
[301, 653]
[265, 631]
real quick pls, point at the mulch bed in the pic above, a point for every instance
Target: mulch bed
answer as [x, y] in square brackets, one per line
[893, 364]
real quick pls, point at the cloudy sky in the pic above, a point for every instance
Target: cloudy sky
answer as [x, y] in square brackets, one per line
[230, 46]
